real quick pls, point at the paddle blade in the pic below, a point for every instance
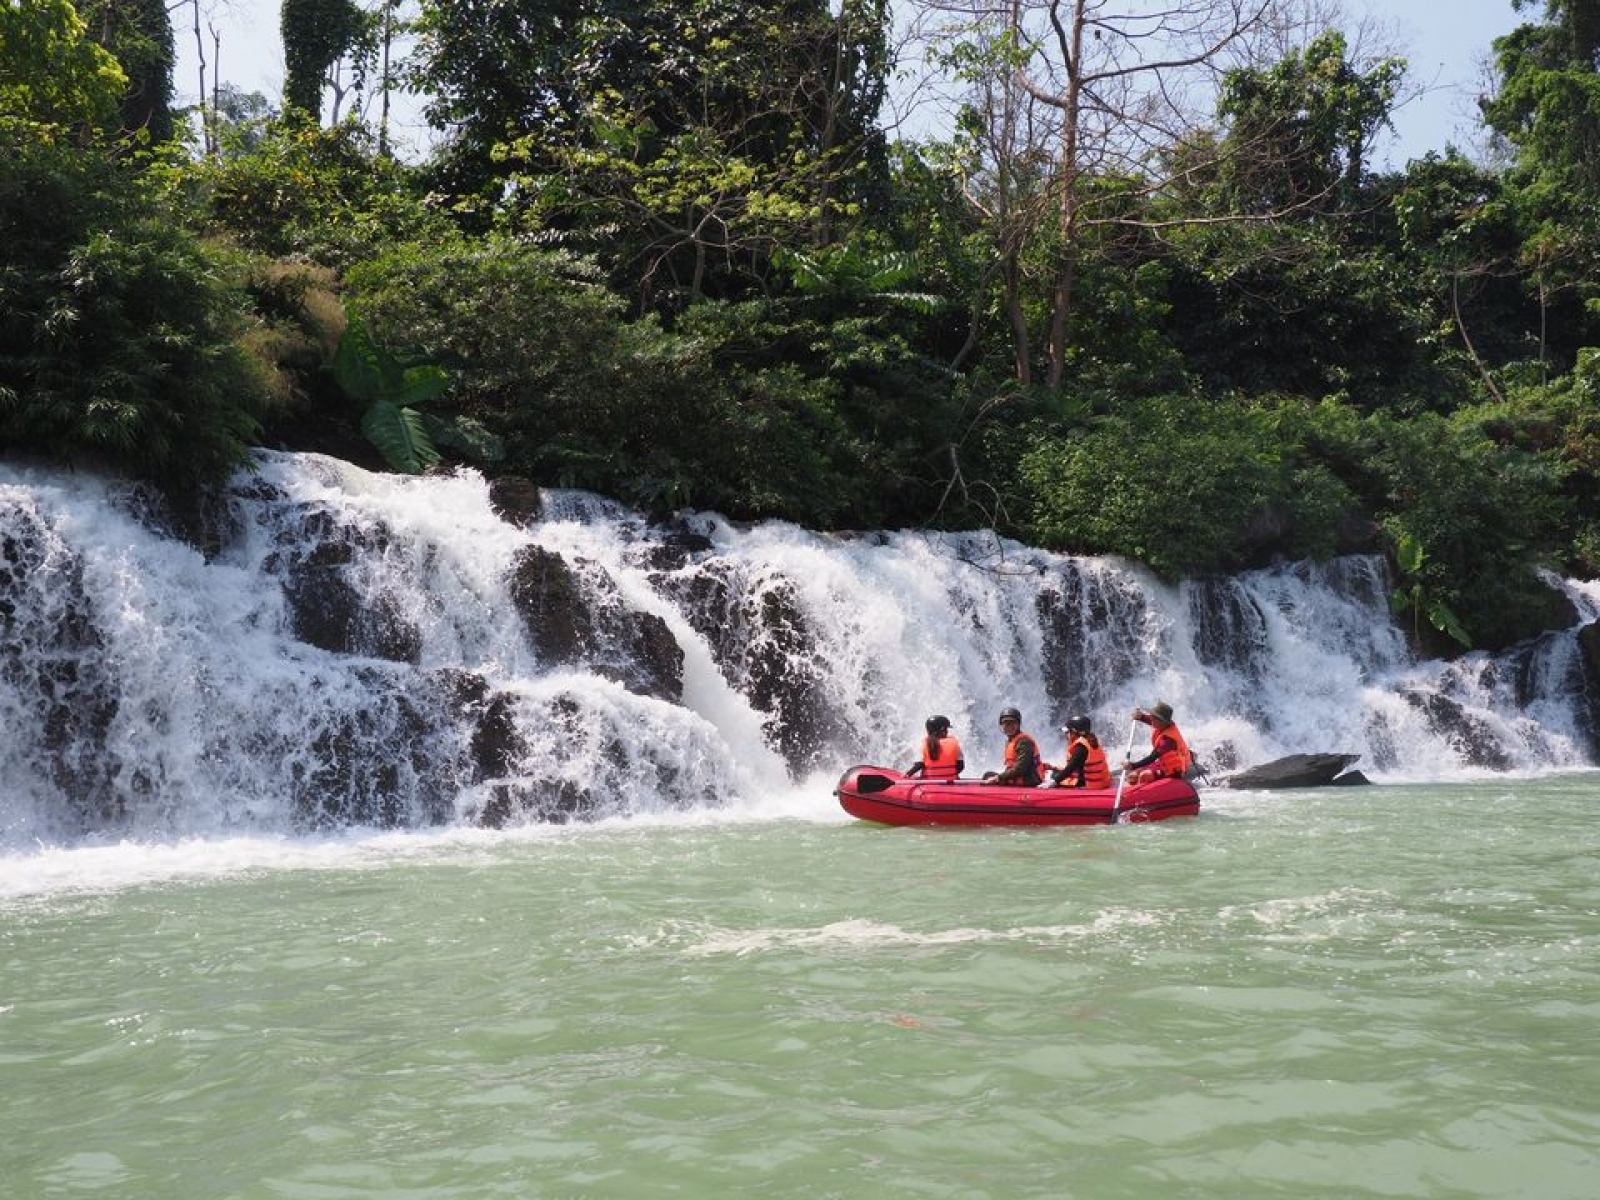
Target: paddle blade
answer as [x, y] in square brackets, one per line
[869, 783]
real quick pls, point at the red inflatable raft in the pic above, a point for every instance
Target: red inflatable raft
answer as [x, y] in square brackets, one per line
[885, 795]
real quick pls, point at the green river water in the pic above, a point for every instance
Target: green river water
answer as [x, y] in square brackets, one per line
[1381, 992]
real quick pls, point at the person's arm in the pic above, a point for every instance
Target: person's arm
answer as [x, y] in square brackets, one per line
[914, 769]
[1161, 747]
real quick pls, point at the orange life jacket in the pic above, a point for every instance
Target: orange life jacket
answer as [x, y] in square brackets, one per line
[1011, 756]
[944, 765]
[1096, 771]
[1174, 762]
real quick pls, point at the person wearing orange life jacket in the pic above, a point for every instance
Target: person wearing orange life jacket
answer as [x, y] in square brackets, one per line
[1086, 765]
[1169, 754]
[940, 756]
[1022, 754]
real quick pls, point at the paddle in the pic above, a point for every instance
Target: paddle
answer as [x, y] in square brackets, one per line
[1122, 779]
[869, 783]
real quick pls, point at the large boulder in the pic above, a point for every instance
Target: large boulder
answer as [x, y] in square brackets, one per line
[316, 557]
[1080, 673]
[517, 501]
[766, 649]
[1297, 771]
[575, 615]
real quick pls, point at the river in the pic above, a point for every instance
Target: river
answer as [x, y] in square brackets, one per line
[1344, 992]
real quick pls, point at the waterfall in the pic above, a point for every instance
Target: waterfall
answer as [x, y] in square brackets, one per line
[330, 647]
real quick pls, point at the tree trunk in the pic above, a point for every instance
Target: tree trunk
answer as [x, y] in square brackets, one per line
[1067, 199]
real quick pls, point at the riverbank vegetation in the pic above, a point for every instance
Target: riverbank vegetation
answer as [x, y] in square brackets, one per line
[1143, 293]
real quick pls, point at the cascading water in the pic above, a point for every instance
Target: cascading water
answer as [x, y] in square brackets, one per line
[361, 649]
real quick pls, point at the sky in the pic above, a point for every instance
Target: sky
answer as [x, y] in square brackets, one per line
[1447, 44]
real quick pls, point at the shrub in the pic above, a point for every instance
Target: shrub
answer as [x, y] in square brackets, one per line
[117, 333]
[1183, 486]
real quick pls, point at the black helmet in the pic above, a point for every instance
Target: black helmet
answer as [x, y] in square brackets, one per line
[937, 724]
[1011, 714]
[1077, 725]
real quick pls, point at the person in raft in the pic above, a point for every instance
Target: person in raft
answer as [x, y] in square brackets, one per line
[940, 754]
[1086, 765]
[1169, 753]
[1022, 754]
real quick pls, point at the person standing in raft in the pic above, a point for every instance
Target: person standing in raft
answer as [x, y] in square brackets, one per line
[941, 753]
[1022, 754]
[1086, 765]
[1169, 753]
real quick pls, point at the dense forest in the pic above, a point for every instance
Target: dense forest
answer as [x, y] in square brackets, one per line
[1143, 294]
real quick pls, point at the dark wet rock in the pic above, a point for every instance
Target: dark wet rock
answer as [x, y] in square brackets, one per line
[767, 651]
[1293, 771]
[1477, 743]
[518, 501]
[326, 609]
[52, 654]
[393, 762]
[678, 548]
[1589, 644]
[1071, 607]
[327, 612]
[201, 517]
[549, 596]
[575, 615]
[520, 798]
[1230, 630]
[494, 745]
[654, 666]
[1587, 685]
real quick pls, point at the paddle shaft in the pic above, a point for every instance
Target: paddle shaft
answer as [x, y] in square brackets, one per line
[1122, 780]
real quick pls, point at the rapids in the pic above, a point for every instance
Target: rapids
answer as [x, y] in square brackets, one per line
[329, 648]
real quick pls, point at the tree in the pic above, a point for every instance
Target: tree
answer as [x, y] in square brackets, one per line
[1088, 91]
[117, 331]
[316, 34]
[138, 33]
[51, 73]
[1299, 131]
[681, 143]
[1548, 109]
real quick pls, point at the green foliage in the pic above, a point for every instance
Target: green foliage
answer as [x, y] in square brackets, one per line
[679, 144]
[518, 326]
[324, 195]
[1293, 310]
[391, 391]
[316, 34]
[52, 76]
[754, 409]
[1413, 597]
[850, 273]
[1182, 486]
[1548, 108]
[116, 330]
[1300, 130]
[1479, 518]
[138, 33]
